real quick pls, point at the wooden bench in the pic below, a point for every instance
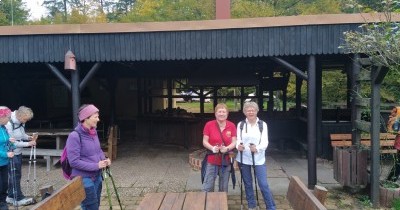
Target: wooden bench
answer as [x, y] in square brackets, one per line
[301, 198]
[386, 141]
[49, 154]
[67, 197]
[185, 201]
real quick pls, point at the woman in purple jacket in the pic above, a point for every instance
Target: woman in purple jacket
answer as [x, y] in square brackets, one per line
[86, 157]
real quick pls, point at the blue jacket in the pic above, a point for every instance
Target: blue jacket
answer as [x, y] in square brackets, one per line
[84, 153]
[4, 143]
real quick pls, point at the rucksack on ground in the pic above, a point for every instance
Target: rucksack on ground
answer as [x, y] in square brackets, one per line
[66, 167]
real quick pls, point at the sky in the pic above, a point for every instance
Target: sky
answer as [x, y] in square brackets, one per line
[36, 8]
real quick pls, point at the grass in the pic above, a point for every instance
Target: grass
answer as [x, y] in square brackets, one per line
[194, 107]
[396, 204]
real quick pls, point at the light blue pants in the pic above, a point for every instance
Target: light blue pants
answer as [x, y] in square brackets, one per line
[261, 174]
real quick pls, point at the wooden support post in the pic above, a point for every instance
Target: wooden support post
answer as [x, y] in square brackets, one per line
[46, 189]
[320, 193]
[114, 142]
[110, 142]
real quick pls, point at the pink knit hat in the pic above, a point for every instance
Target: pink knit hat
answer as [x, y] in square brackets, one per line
[87, 111]
[4, 111]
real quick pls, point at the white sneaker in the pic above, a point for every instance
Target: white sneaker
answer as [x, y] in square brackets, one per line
[25, 202]
[10, 200]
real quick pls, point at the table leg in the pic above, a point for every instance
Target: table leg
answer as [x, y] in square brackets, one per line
[58, 142]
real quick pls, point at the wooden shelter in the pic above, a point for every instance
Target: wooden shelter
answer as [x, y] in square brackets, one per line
[119, 64]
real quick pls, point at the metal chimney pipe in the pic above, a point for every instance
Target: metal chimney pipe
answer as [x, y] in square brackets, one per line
[223, 9]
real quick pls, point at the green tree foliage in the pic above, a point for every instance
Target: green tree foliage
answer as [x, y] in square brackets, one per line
[249, 9]
[57, 9]
[170, 10]
[75, 11]
[319, 7]
[381, 43]
[334, 88]
[13, 12]
[115, 9]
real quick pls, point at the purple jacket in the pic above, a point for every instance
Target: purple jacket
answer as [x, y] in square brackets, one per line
[84, 154]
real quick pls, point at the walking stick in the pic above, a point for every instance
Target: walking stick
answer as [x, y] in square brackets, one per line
[34, 170]
[29, 171]
[107, 188]
[14, 179]
[115, 188]
[241, 179]
[255, 176]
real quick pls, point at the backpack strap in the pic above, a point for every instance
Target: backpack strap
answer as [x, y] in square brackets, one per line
[13, 125]
[260, 127]
[241, 128]
[80, 138]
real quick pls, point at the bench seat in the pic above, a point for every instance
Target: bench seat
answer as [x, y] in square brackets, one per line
[386, 141]
[49, 154]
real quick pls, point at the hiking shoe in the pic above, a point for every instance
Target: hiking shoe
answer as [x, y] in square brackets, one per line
[10, 200]
[25, 202]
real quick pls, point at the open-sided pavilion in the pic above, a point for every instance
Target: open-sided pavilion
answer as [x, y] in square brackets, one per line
[130, 70]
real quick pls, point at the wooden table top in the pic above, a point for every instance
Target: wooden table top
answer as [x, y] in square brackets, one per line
[50, 132]
[185, 201]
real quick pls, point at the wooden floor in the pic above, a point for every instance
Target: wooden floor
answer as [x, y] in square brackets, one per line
[185, 201]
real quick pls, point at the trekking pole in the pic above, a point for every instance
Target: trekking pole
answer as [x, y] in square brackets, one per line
[255, 176]
[241, 179]
[29, 171]
[14, 185]
[34, 170]
[107, 188]
[14, 179]
[113, 183]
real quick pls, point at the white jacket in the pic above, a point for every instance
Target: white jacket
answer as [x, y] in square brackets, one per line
[251, 135]
[17, 130]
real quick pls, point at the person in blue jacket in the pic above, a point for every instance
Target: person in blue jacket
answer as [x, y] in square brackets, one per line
[86, 157]
[5, 154]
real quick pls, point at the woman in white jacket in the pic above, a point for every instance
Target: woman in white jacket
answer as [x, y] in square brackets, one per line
[252, 143]
[16, 129]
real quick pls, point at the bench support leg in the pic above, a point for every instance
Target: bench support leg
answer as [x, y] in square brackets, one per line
[48, 162]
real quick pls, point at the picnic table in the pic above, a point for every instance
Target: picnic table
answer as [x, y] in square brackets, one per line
[59, 134]
[51, 155]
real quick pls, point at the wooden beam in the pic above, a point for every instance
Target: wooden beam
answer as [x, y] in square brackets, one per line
[380, 74]
[291, 68]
